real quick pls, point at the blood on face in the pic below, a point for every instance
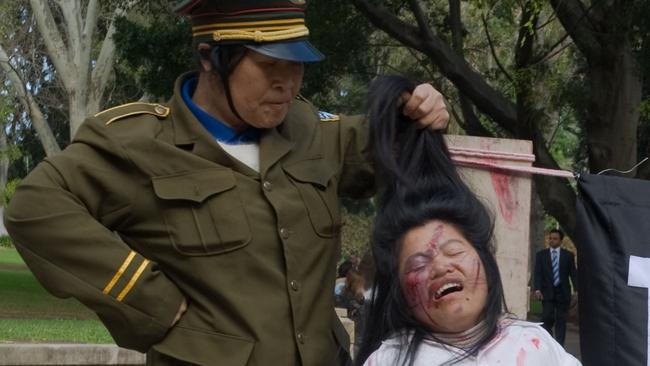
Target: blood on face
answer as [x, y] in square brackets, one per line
[436, 255]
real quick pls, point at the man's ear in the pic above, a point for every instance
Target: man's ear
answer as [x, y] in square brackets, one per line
[204, 51]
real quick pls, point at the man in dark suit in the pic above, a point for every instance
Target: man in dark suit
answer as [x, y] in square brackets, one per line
[553, 268]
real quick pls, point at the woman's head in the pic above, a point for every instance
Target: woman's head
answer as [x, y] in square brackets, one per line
[442, 277]
[436, 270]
[423, 242]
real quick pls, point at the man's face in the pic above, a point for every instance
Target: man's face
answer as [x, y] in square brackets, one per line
[262, 90]
[554, 240]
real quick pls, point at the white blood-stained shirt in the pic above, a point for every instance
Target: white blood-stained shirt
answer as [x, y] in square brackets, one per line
[517, 343]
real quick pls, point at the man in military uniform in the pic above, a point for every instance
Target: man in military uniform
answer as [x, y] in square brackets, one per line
[206, 231]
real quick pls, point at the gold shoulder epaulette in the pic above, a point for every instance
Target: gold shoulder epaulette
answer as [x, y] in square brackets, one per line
[132, 109]
[328, 117]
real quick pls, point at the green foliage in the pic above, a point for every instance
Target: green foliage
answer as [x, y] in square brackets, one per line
[8, 191]
[29, 313]
[6, 242]
[154, 53]
[356, 233]
[342, 34]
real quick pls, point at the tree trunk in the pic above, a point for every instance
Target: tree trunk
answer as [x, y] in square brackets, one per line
[4, 168]
[69, 47]
[43, 130]
[615, 95]
[78, 101]
[602, 33]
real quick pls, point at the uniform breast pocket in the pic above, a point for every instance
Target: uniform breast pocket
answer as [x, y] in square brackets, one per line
[203, 211]
[315, 181]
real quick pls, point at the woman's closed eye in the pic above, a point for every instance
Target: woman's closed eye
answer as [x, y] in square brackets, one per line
[417, 263]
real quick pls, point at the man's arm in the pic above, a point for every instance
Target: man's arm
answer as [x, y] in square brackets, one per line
[52, 221]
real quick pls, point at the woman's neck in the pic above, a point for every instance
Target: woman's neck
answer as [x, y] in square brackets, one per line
[465, 339]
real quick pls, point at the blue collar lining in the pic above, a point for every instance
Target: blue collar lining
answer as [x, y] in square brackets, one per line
[218, 129]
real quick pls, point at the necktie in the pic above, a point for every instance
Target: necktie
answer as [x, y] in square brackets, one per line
[556, 267]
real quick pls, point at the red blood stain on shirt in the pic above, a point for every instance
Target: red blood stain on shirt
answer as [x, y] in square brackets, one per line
[507, 204]
[535, 342]
[521, 357]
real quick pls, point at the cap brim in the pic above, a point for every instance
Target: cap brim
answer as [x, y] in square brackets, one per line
[299, 51]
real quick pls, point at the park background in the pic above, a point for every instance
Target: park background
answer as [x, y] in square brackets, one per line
[569, 75]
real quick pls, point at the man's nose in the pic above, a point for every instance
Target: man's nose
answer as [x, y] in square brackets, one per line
[287, 74]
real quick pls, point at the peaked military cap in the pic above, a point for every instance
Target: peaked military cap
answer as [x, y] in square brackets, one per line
[275, 28]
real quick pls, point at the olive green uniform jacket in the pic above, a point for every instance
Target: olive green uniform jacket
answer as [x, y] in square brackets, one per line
[144, 208]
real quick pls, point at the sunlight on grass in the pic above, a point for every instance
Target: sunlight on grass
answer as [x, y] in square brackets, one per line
[10, 256]
[37, 330]
[28, 313]
[21, 296]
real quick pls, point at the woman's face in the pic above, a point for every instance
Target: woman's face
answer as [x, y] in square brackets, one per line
[442, 278]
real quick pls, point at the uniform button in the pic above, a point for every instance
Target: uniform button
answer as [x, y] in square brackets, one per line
[301, 338]
[294, 285]
[159, 109]
[284, 233]
[267, 186]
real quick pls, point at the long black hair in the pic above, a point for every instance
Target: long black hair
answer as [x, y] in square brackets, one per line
[417, 183]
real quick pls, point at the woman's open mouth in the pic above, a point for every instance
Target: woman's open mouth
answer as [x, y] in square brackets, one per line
[446, 289]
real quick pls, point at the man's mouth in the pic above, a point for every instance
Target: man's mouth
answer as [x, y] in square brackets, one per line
[447, 289]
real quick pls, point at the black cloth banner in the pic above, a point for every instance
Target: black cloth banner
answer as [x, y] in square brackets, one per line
[613, 240]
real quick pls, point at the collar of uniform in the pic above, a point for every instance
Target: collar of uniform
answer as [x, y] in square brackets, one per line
[184, 126]
[187, 132]
[222, 132]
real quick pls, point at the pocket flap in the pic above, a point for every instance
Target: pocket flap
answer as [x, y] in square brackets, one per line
[193, 186]
[315, 171]
[205, 348]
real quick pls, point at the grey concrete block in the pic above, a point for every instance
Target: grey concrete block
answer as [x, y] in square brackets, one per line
[68, 354]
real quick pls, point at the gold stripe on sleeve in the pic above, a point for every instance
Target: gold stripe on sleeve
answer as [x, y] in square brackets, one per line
[133, 280]
[119, 273]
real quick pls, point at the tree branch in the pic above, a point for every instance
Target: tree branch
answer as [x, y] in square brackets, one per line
[550, 52]
[556, 194]
[452, 66]
[92, 13]
[547, 22]
[39, 122]
[472, 124]
[421, 19]
[493, 51]
[574, 16]
[104, 66]
[58, 51]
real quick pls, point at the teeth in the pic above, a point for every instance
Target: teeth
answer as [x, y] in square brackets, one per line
[445, 287]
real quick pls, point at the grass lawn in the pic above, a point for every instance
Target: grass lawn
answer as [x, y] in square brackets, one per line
[10, 257]
[53, 330]
[535, 307]
[29, 313]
